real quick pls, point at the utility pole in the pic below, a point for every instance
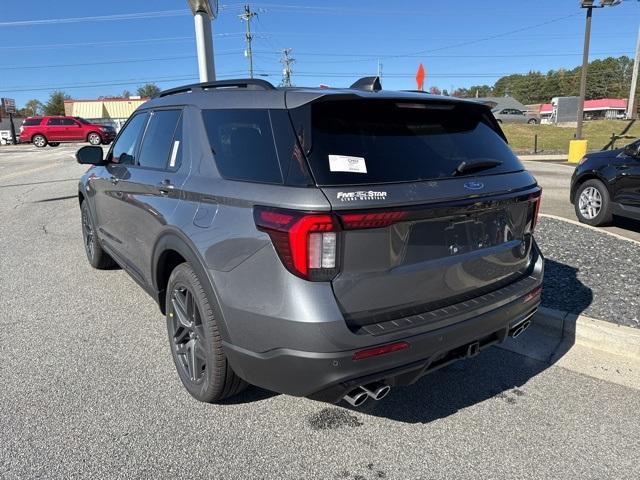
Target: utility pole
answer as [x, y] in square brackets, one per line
[204, 11]
[286, 62]
[631, 106]
[583, 73]
[246, 17]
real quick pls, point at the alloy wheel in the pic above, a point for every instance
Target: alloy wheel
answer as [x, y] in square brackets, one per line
[94, 139]
[590, 203]
[187, 334]
[39, 141]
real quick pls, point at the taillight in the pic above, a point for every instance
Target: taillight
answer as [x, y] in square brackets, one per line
[536, 211]
[307, 243]
[353, 221]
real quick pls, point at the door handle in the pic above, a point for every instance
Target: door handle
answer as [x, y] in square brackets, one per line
[165, 186]
[114, 180]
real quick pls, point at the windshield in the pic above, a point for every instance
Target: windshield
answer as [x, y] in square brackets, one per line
[381, 141]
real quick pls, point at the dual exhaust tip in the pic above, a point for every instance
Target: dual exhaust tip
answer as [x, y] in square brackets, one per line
[359, 395]
[517, 330]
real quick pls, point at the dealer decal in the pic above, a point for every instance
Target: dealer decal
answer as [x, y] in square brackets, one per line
[361, 195]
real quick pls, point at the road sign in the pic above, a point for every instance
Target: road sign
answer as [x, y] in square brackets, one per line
[8, 105]
[420, 77]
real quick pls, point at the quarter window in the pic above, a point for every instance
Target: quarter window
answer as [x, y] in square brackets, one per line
[125, 148]
[242, 144]
[158, 146]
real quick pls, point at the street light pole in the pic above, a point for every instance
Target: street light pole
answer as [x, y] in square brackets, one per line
[583, 73]
[204, 11]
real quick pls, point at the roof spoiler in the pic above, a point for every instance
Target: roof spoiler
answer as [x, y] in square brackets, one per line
[247, 83]
[371, 84]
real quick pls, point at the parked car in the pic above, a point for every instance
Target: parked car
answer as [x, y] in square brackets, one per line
[51, 130]
[316, 242]
[607, 183]
[513, 115]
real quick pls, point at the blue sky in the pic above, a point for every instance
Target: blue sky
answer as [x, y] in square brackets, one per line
[47, 45]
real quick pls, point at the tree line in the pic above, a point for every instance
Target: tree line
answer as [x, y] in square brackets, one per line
[55, 104]
[606, 78]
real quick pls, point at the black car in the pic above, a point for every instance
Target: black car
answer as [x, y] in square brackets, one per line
[607, 183]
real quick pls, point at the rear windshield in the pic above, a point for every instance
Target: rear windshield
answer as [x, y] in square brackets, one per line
[381, 141]
[31, 121]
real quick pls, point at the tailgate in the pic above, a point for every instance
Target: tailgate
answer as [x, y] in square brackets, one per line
[399, 261]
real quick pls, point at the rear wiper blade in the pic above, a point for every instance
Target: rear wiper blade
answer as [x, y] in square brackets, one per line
[465, 167]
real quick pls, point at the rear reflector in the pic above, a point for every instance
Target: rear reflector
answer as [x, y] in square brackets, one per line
[535, 293]
[384, 349]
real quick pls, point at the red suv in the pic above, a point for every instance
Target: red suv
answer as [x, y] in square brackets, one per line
[51, 130]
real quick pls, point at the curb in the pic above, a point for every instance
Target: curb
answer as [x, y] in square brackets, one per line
[589, 332]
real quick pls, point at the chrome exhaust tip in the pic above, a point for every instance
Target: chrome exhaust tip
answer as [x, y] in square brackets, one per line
[518, 329]
[377, 390]
[356, 397]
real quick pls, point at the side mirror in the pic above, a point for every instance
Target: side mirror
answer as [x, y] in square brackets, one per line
[90, 155]
[631, 150]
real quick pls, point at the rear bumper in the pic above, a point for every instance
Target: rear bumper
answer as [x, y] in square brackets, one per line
[328, 376]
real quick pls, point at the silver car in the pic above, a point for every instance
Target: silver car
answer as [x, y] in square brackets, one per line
[328, 243]
[513, 115]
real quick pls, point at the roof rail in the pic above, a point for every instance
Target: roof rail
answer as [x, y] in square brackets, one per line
[371, 84]
[248, 83]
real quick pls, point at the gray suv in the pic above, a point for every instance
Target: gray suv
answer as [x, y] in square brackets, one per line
[327, 243]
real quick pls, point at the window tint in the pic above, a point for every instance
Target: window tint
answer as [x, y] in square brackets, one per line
[242, 144]
[29, 122]
[125, 147]
[366, 142]
[54, 122]
[157, 145]
[67, 121]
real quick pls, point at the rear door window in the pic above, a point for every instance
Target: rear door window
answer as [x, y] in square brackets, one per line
[53, 122]
[68, 122]
[158, 143]
[355, 142]
[243, 145]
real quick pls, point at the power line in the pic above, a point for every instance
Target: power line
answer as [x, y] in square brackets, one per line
[101, 18]
[112, 62]
[114, 42]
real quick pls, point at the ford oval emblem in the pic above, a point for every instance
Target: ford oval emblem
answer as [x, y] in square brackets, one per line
[474, 185]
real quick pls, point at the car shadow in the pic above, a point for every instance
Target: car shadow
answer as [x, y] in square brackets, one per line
[626, 223]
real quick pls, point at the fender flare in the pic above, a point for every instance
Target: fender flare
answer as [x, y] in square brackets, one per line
[175, 240]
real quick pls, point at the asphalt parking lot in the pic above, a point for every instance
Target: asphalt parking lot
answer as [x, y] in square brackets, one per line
[89, 389]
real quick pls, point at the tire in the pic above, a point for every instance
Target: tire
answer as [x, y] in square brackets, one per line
[94, 138]
[54, 144]
[39, 141]
[593, 204]
[97, 257]
[532, 121]
[194, 337]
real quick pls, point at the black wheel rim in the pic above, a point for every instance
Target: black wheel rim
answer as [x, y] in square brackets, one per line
[88, 234]
[187, 334]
